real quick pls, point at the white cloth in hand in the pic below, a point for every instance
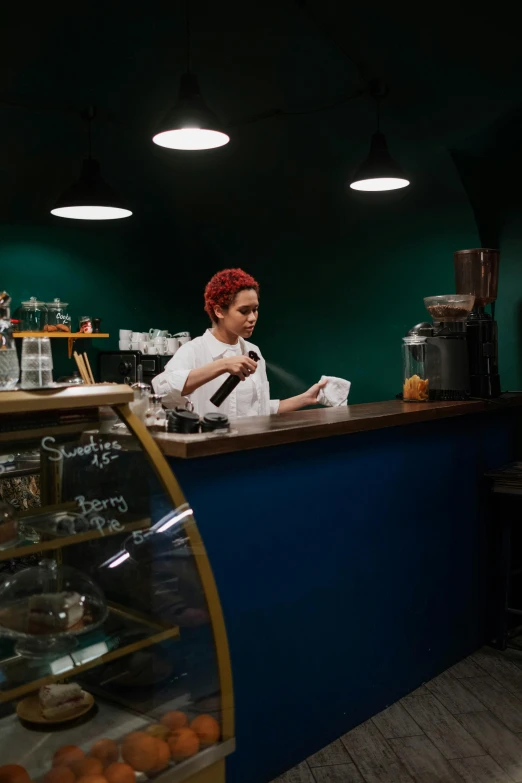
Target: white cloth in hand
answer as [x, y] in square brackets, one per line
[335, 393]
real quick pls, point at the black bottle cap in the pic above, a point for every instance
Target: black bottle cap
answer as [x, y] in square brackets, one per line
[180, 420]
[215, 421]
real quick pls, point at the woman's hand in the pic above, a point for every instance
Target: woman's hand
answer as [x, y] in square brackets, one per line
[242, 366]
[302, 400]
[310, 397]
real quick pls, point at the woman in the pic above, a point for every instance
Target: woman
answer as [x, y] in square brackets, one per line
[199, 367]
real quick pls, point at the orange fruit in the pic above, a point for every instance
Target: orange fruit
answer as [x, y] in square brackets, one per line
[140, 750]
[207, 729]
[86, 766]
[163, 756]
[106, 751]
[120, 773]
[66, 754]
[92, 779]
[174, 720]
[183, 744]
[60, 775]
[14, 773]
[158, 730]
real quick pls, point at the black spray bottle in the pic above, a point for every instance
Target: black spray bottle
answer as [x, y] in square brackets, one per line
[229, 385]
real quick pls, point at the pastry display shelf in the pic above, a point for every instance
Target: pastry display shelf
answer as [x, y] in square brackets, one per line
[24, 547]
[69, 336]
[19, 675]
[109, 721]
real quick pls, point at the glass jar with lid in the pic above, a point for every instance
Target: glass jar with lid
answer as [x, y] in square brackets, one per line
[58, 320]
[415, 385]
[34, 315]
[9, 367]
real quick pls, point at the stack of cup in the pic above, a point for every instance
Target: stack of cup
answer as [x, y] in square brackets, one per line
[37, 362]
[125, 339]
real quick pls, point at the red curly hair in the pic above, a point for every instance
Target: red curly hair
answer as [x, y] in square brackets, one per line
[223, 288]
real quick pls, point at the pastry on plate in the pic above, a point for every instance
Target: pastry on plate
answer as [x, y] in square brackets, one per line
[57, 701]
[58, 612]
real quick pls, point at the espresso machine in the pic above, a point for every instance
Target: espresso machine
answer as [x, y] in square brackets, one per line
[476, 274]
[446, 346]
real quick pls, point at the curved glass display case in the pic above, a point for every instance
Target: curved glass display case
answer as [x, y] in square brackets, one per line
[113, 653]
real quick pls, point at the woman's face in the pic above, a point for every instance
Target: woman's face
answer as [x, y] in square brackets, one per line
[241, 316]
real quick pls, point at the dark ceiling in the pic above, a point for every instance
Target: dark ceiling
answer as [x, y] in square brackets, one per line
[453, 74]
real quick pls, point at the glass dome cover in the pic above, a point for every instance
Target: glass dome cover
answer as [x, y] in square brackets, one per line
[46, 607]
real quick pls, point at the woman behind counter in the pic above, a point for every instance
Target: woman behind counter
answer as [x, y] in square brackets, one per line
[196, 370]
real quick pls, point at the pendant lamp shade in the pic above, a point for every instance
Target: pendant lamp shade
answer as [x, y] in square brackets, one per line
[379, 171]
[190, 125]
[90, 198]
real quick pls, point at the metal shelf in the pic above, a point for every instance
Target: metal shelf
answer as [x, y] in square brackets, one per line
[19, 676]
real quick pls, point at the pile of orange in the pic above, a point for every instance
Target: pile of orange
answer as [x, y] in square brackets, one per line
[14, 773]
[149, 751]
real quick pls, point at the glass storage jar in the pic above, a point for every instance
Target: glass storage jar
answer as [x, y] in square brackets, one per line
[58, 320]
[9, 367]
[34, 315]
[415, 386]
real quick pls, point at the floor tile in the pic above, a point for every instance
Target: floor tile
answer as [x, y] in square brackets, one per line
[375, 759]
[423, 761]
[442, 728]
[339, 773]
[497, 740]
[505, 705]
[299, 774]
[453, 695]
[507, 673]
[481, 769]
[466, 668]
[421, 691]
[396, 722]
[335, 753]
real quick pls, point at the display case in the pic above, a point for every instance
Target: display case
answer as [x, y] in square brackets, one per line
[114, 663]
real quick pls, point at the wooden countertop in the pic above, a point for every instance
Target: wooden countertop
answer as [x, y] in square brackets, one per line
[261, 431]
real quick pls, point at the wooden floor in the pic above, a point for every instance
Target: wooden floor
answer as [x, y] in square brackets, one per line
[465, 725]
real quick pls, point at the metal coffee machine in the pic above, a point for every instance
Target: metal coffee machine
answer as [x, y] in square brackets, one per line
[447, 367]
[476, 273]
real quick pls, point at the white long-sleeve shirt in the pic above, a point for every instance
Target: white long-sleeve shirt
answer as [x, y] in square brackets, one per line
[250, 397]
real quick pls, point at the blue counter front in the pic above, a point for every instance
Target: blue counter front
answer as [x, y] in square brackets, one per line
[350, 569]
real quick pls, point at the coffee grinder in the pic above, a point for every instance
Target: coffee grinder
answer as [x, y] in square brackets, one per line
[446, 359]
[476, 273]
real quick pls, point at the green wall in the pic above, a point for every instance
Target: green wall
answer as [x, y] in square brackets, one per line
[342, 275]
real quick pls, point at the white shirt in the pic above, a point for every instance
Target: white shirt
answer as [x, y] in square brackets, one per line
[249, 398]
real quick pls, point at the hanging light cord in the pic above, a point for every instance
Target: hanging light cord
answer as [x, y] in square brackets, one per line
[187, 28]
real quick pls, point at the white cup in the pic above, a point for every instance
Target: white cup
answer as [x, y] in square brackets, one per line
[137, 337]
[172, 345]
[124, 345]
[135, 346]
[152, 350]
[161, 345]
[144, 345]
[125, 334]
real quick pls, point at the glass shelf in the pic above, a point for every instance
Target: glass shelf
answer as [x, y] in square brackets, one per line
[23, 546]
[123, 632]
[109, 722]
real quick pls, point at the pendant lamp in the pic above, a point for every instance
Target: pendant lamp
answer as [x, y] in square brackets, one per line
[190, 124]
[379, 171]
[90, 198]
